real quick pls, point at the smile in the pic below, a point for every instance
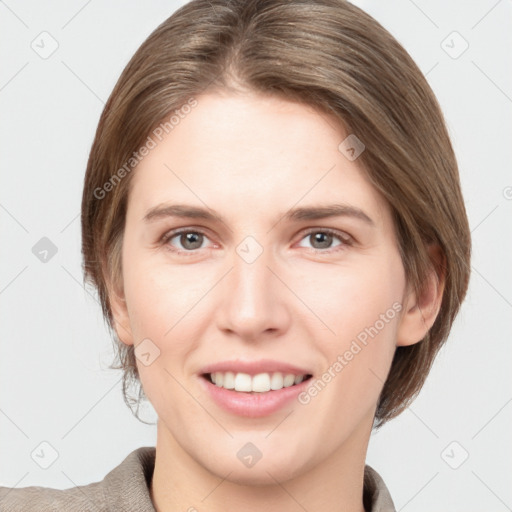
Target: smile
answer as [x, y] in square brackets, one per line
[260, 383]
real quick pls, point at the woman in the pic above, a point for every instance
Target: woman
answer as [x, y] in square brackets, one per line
[273, 219]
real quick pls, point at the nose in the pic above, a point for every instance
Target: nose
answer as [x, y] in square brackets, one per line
[254, 302]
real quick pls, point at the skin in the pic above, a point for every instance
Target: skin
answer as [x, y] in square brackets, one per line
[251, 158]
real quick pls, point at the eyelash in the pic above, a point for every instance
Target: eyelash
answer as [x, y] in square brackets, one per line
[345, 240]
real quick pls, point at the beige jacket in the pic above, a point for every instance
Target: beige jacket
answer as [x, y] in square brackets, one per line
[126, 488]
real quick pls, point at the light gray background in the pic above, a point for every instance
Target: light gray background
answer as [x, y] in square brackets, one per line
[54, 382]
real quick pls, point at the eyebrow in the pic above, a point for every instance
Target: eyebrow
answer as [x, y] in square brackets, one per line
[295, 214]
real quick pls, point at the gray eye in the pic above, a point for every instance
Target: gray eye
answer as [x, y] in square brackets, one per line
[190, 240]
[321, 240]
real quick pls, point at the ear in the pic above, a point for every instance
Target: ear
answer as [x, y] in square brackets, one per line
[419, 313]
[119, 312]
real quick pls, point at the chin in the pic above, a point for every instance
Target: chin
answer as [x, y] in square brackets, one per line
[263, 473]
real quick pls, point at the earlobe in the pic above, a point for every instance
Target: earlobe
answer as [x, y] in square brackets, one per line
[420, 312]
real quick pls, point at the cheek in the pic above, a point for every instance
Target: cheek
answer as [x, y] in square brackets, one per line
[164, 307]
[160, 300]
[368, 302]
[362, 306]
[349, 298]
[159, 296]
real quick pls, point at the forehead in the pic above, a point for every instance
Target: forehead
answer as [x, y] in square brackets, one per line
[252, 153]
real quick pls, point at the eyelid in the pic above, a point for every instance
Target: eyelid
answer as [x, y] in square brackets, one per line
[342, 235]
[168, 235]
[345, 239]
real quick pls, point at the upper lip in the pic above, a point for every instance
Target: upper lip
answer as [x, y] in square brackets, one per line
[254, 367]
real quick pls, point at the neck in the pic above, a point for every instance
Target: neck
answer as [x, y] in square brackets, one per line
[180, 483]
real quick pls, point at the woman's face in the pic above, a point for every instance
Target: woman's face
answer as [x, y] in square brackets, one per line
[286, 264]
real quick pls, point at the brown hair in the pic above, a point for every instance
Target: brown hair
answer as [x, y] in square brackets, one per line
[328, 54]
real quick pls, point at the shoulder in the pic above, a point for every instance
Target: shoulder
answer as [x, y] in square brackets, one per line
[125, 488]
[44, 499]
[376, 496]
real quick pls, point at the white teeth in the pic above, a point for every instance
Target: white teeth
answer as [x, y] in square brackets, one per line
[289, 380]
[229, 380]
[260, 383]
[243, 382]
[277, 381]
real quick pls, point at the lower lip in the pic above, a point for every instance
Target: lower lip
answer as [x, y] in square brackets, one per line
[253, 405]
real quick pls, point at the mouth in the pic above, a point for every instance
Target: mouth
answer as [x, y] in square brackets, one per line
[265, 382]
[254, 389]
